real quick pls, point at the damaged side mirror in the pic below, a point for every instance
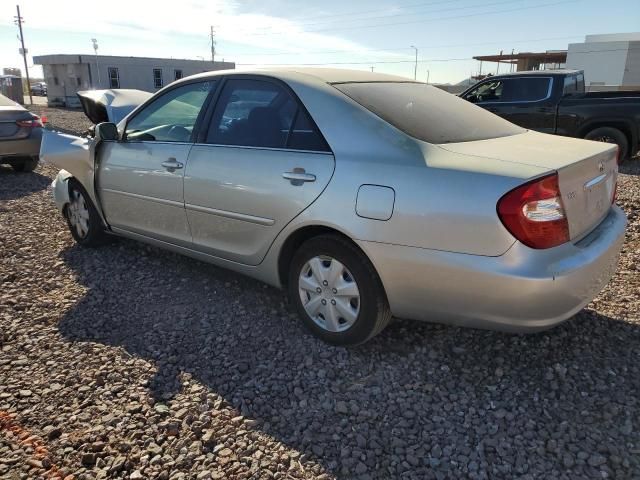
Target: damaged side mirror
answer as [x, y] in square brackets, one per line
[106, 131]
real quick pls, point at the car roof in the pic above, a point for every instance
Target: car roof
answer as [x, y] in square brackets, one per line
[8, 104]
[325, 75]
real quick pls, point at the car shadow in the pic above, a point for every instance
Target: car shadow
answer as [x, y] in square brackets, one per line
[20, 184]
[630, 167]
[414, 387]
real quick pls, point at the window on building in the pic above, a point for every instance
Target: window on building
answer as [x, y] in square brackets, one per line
[157, 78]
[56, 81]
[177, 74]
[78, 81]
[114, 77]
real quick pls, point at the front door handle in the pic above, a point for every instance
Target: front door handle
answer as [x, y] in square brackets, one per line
[298, 176]
[172, 164]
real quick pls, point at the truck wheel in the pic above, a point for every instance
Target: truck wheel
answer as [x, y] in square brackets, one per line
[611, 135]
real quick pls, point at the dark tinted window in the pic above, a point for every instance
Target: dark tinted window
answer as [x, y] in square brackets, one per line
[428, 113]
[254, 113]
[511, 90]
[172, 116]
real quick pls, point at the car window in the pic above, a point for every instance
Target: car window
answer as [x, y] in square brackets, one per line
[255, 113]
[511, 90]
[486, 92]
[428, 113]
[171, 117]
[570, 85]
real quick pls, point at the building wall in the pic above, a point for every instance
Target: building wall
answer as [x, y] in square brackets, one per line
[632, 67]
[603, 63]
[67, 74]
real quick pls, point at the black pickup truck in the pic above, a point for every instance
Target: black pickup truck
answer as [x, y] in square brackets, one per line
[554, 101]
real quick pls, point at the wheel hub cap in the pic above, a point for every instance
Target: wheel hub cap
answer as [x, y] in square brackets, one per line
[329, 293]
[78, 214]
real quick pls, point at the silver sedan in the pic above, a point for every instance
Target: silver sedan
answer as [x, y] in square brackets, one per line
[366, 196]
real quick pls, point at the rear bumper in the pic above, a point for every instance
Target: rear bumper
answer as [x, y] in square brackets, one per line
[522, 290]
[26, 147]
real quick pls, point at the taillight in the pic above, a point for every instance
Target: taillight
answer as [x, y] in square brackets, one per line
[30, 123]
[534, 213]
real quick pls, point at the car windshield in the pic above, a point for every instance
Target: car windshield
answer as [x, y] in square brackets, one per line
[428, 113]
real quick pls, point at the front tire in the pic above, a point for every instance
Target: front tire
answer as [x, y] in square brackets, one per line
[82, 217]
[337, 292]
[611, 135]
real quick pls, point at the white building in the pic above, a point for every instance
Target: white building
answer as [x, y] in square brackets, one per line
[611, 60]
[67, 74]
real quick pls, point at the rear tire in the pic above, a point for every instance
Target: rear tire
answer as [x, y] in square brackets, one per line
[82, 217]
[337, 292]
[611, 135]
[26, 165]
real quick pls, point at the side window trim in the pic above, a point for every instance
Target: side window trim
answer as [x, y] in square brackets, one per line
[199, 120]
[213, 105]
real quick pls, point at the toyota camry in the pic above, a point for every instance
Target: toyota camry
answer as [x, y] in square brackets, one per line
[364, 195]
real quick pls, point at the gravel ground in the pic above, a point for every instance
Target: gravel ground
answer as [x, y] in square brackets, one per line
[131, 362]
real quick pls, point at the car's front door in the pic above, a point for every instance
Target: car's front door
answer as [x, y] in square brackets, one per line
[261, 163]
[524, 101]
[140, 179]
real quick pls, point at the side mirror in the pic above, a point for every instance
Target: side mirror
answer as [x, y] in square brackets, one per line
[106, 131]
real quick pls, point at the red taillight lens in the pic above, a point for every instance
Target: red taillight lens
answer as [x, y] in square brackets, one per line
[534, 213]
[31, 123]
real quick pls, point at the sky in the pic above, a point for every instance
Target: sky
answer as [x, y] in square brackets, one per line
[358, 34]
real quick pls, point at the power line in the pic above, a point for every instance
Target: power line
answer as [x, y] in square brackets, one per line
[429, 60]
[412, 14]
[317, 52]
[480, 14]
[379, 10]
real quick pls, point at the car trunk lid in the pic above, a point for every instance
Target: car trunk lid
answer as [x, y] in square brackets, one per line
[587, 171]
[9, 129]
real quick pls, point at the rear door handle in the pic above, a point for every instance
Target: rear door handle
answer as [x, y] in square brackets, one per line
[172, 164]
[299, 176]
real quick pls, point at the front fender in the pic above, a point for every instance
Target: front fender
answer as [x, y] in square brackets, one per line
[60, 189]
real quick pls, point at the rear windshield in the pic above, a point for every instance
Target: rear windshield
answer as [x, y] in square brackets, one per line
[428, 113]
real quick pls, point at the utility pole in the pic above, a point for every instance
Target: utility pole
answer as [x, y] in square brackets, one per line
[415, 68]
[212, 35]
[372, 68]
[23, 51]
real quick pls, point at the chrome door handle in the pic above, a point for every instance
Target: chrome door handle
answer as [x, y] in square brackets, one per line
[299, 177]
[172, 164]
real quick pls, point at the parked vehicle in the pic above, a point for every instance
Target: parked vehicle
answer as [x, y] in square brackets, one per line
[20, 135]
[364, 195]
[39, 89]
[555, 101]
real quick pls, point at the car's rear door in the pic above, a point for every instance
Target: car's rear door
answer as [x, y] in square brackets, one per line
[260, 164]
[140, 178]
